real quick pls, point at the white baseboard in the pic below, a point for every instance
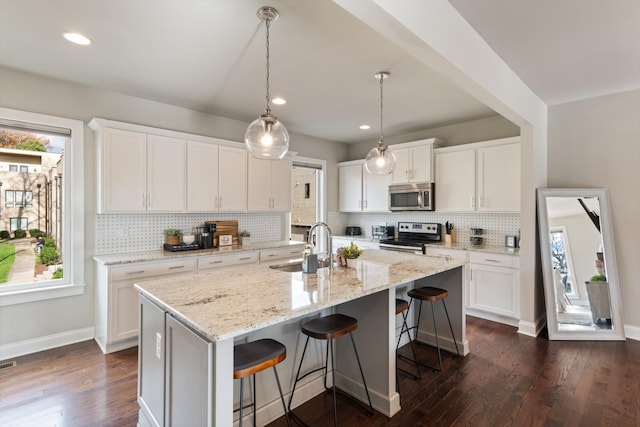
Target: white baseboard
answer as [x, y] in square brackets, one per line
[34, 345]
[492, 316]
[632, 332]
[532, 329]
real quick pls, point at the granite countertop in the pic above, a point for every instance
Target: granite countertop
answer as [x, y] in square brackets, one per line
[229, 302]
[160, 254]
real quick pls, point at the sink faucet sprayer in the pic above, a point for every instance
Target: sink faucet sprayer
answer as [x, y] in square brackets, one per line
[310, 239]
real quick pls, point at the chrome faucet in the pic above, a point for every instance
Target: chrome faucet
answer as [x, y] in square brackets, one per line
[310, 240]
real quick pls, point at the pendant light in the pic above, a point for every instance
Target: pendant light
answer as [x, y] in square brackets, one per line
[266, 137]
[380, 159]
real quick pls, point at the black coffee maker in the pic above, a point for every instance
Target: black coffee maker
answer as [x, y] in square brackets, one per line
[206, 237]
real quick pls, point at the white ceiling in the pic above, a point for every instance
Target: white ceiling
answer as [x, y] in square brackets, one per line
[209, 55]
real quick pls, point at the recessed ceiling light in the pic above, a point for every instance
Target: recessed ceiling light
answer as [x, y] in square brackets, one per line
[279, 101]
[77, 38]
[365, 127]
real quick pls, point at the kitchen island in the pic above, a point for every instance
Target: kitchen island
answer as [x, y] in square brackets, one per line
[189, 324]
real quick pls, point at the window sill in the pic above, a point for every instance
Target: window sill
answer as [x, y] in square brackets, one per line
[39, 294]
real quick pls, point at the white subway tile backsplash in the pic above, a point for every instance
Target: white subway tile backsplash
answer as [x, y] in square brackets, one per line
[119, 233]
[495, 225]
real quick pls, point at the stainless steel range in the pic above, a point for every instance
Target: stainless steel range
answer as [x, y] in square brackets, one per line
[412, 236]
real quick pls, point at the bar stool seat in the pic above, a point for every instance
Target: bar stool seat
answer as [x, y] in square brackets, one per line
[402, 307]
[253, 357]
[432, 294]
[329, 328]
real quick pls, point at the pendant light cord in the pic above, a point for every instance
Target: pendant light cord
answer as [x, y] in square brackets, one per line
[268, 110]
[381, 108]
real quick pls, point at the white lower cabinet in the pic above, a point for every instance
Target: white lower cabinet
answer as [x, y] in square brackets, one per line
[117, 301]
[494, 287]
[217, 261]
[291, 252]
[151, 356]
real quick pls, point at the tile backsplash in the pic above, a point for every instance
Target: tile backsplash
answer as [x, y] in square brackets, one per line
[495, 225]
[120, 233]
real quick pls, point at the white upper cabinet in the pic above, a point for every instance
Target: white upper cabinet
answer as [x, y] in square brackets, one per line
[269, 187]
[482, 177]
[360, 191]
[414, 161]
[140, 172]
[216, 178]
[122, 180]
[166, 174]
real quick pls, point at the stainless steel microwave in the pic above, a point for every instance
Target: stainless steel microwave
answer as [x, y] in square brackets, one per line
[418, 196]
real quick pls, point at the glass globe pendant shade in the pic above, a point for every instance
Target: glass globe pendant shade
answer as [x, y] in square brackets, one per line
[267, 138]
[380, 160]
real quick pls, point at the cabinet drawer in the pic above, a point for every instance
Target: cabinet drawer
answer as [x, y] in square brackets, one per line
[498, 260]
[141, 270]
[446, 253]
[293, 252]
[216, 261]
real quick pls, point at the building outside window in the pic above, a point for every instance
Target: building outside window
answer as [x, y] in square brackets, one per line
[19, 224]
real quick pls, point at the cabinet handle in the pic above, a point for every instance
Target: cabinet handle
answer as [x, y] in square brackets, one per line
[481, 202]
[219, 201]
[492, 260]
[473, 202]
[215, 262]
[244, 258]
[149, 197]
[271, 255]
[135, 272]
[175, 267]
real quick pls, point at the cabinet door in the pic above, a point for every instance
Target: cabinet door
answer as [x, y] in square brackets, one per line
[498, 179]
[376, 190]
[123, 177]
[232, 175]
[151, 362]
[187, 377]
[350, 188]
[401, 172]
[281, 185]
[123, 309]
[166, 174]
[455, 181]
[421, 164]
[202, 176]
[494, 289]
[259, 191]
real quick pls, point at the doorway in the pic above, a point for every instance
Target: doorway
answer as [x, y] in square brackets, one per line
[307, 193]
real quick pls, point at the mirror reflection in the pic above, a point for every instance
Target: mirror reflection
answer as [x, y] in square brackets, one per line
[581, 288]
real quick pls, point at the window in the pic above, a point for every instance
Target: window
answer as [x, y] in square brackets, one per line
[561, 258]
[18, 199]
[56, 175]
[19, 224]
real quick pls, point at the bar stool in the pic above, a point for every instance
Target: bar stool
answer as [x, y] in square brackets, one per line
[330, 328]
[253, 357]
[432, 294]
[402, 307]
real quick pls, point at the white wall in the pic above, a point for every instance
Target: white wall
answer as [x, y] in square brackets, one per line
[596, 143]
[65, 316]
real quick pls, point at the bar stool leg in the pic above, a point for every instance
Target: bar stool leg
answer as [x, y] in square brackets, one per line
[364, 382]
[403, 329]
[450, 327]
[284, 406]
[241, 398]
[333, 380]
[435, 329]
[295, 383]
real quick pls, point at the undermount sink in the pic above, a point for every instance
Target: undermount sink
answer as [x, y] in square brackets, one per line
[294, 267]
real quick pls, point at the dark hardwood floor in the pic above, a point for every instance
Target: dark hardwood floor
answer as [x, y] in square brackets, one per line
[507, 380]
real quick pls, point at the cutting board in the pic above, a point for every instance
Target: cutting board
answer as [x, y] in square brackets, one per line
[224, 228]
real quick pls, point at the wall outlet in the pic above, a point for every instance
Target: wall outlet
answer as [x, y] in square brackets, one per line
[158, 346]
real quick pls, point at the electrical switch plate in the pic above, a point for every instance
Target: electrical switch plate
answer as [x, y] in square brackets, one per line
[158, 345]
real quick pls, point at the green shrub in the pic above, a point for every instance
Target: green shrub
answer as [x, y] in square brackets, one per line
[19, 233]
[49, 242]
[4, 234]
[34, 232]
[57, 274]
[49, 255]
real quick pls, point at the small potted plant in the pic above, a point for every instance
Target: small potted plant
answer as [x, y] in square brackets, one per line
[172, 236]
[348, 254]
[245, 237]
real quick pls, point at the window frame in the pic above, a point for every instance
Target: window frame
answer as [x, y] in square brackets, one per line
[73, 216]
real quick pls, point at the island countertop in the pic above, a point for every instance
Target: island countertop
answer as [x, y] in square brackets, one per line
[229, 302]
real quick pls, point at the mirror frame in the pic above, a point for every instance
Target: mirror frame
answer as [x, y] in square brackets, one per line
[616, 334]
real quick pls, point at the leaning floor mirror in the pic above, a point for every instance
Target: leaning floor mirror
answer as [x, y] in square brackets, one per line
[581, 287]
